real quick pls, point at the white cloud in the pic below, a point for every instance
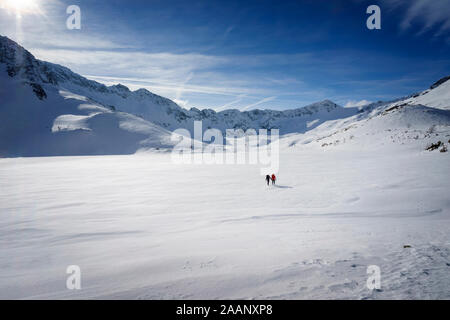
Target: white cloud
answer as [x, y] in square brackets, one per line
[170, 89]
[182, 103]
[229, 104]
[258, 103]
[429, 13]
[164, 73]
[352, 103]
[131, 62]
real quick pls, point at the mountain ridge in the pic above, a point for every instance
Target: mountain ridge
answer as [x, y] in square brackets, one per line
[47, 109]
[36, 73]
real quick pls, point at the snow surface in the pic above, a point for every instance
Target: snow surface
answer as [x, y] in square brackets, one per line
[141, 227]
[355, 186]
[438, 97]
[66, 123]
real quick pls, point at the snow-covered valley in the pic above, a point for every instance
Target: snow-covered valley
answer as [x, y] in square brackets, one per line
[87, 179]
[141, 227]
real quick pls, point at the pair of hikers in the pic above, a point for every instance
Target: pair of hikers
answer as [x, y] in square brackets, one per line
[269, 178]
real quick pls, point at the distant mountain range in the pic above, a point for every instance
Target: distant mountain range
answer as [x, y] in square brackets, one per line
[46, 109]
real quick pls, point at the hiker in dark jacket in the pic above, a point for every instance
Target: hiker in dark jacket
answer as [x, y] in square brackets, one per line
[267, 179]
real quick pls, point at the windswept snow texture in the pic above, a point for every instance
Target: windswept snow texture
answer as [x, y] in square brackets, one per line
[140, 227]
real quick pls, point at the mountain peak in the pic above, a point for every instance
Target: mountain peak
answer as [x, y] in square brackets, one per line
[327, 101]
[326, 105]
[120, 87]
[439, 82]
[18, 60]
[143, 91]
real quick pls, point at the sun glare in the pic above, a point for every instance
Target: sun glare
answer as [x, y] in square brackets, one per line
[20, 7]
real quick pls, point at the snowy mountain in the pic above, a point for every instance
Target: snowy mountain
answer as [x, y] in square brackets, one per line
[37, 74]
[46, 109]
[355, 188]
[419, 120]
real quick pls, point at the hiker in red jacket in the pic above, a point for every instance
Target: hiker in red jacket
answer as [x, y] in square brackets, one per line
[274, 178]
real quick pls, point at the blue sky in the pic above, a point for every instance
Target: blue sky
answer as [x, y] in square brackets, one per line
[244, 54]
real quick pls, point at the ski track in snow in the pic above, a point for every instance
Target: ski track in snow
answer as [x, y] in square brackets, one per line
[140, 227]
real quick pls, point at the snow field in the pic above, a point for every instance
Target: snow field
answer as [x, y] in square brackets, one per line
[141, 227]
